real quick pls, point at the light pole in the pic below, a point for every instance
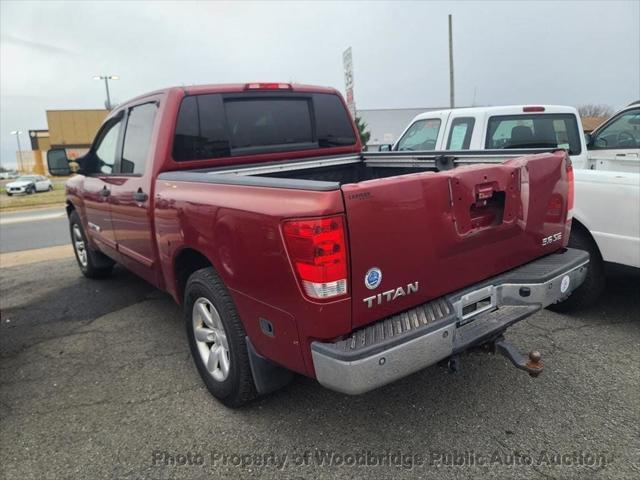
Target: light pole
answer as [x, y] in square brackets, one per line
[452, 101]
[106, 79]
[17, 134]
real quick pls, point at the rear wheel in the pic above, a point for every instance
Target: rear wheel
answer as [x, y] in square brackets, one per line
[50, 188]
[93, 264]
[588, 293]
[217, 339]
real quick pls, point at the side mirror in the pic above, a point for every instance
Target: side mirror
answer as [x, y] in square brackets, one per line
[58, 162]
[385, 147]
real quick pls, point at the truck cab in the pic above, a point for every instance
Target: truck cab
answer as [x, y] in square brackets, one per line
[615, 145]
[492, 128]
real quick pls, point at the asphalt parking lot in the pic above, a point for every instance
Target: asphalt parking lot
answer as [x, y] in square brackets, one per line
[97, 382]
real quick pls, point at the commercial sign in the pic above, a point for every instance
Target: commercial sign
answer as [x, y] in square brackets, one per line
[347, 62]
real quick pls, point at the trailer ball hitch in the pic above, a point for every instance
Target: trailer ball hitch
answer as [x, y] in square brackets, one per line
[532, 365]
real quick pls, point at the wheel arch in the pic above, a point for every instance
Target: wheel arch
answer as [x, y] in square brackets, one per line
[186, 261]
[578, 225]
[70, 207]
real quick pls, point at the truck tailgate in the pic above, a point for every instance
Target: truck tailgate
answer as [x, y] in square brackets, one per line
[419, 236]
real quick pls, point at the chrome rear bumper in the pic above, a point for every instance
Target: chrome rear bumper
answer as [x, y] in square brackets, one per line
[395, 347]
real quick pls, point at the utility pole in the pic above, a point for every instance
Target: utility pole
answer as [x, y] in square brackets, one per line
[106, 79]
[452, 101]
[106, 85]
[17, 134]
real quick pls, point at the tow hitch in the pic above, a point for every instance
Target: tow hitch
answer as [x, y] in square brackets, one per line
[532, 365]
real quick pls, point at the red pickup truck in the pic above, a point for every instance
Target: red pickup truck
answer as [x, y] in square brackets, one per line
[292, 250]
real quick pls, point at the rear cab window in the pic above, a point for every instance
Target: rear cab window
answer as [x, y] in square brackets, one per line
[545, 130]
[225, 125]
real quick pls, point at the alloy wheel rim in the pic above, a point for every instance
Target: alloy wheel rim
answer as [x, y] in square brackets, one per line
[79, 246]
[211, 339]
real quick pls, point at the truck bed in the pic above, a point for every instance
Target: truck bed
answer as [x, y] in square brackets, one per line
[330, 173]
[418, 217]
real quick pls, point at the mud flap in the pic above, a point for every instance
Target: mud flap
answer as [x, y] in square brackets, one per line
[267, 376]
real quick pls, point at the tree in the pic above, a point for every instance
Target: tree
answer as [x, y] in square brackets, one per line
[595, 110]
[362, 129]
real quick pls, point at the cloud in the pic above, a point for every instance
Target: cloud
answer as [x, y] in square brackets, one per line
[505, 52]
[37, 46]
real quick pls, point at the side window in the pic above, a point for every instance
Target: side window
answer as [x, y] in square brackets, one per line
[137, 138]
[460, 133]
[623, 132]
[421, 135]
[106, 150]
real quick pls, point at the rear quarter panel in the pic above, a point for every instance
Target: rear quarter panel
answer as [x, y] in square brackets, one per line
[238, 228]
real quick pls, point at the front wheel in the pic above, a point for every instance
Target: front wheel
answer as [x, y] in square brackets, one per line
[92, 263]
[217, 339]
[30, 190]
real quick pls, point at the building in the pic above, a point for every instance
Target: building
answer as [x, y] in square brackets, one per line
[386, 124]
[73, 130]
[589, 124]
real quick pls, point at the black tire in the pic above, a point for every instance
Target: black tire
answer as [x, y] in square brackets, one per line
[588, 293]
[30, 190]
[9, 194]
[51, 188]
[238, 387]
[97, 264]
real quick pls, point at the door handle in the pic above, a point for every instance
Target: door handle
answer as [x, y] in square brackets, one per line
[105, 192]
[140, 196]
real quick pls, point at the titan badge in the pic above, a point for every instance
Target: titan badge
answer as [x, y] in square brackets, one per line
[372, 280]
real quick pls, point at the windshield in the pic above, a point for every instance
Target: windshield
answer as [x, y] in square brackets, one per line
[26, 179]
[546, 130]
[421, 135]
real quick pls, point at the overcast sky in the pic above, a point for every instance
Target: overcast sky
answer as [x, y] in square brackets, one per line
[507, 52]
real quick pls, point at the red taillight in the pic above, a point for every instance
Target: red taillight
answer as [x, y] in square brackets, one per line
[318, 252]
[554, 208]
[267, 86]
[533, 109]
[570, 189]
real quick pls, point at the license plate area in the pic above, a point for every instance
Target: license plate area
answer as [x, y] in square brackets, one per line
[475, 303]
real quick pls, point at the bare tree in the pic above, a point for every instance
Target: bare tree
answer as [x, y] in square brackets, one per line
[595, 110]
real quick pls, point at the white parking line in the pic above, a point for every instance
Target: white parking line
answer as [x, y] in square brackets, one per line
[14, 259]
[31, 218]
